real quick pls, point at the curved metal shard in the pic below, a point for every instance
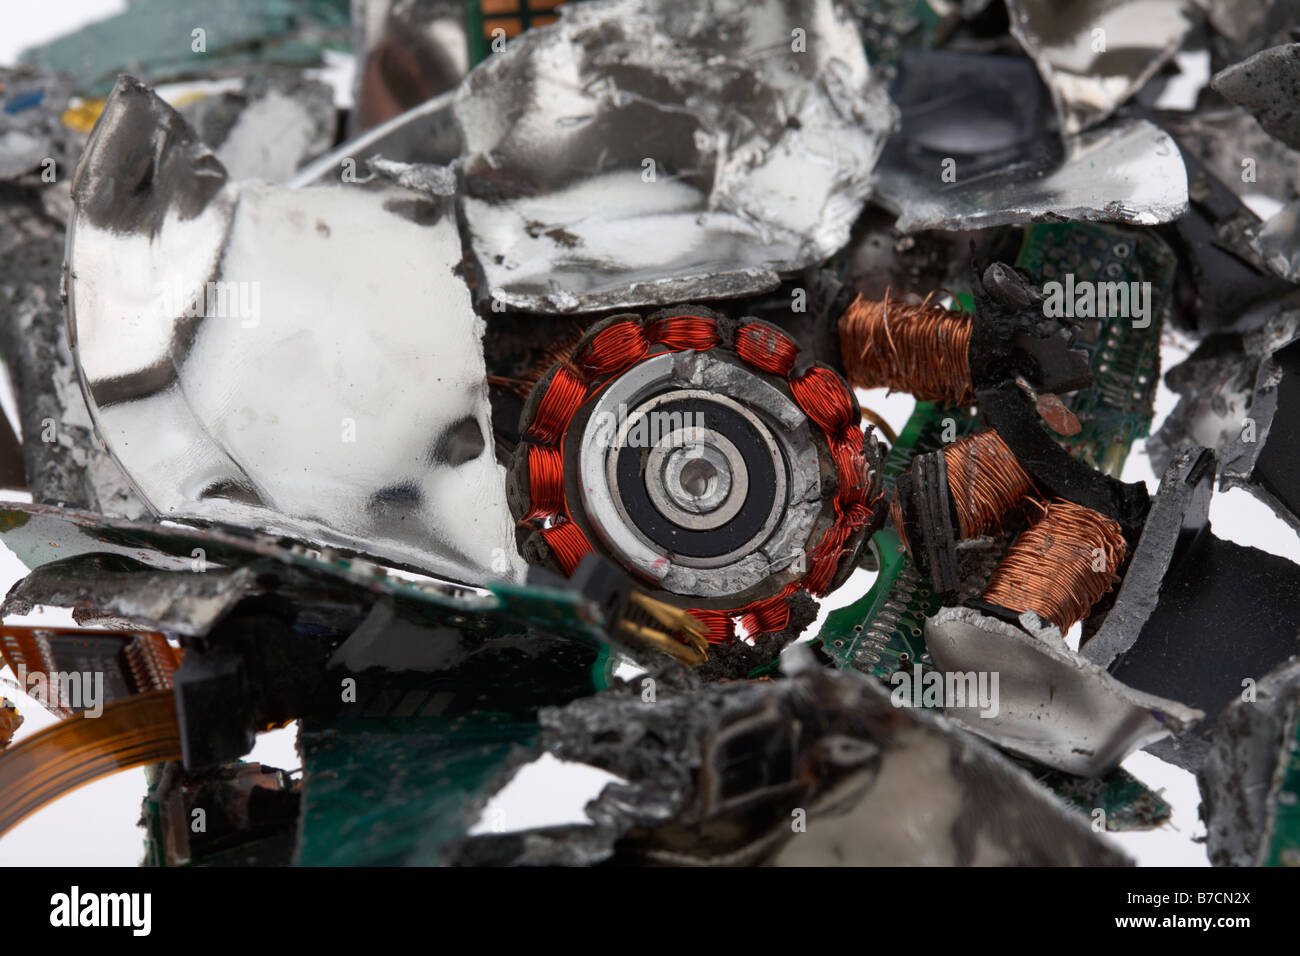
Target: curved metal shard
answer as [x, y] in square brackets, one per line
[1052, 705]
[305, 362]
[646, 151]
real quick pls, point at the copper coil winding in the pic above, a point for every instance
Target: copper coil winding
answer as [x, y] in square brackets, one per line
[545, 481]
[567, 543]
[685, 332]
[613, 347]
[564, 394]
[759, 617]
[1052, 567]
[920, 348]
[823, 397]
[765, 348]
[896, 516]
[985, 481]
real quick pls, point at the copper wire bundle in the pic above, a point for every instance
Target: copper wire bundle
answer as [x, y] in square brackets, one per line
[567, 543]
[919, 348]
[765, 348]
[546, 481]
[822, 395]
[612, 348]
[896, 518]
[985, 481]
[687, 332]
[759, 617]
[1051, 567]
[564, 394]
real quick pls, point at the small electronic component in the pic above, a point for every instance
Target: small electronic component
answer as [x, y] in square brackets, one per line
[71, 670]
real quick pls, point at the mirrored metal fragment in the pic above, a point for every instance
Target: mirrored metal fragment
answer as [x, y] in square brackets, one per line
[427, 133]
[292, 112]
[305, 362]
[1095, 54]
[62, 460]
[660, 154]
[1277, 242]
[1052, 705]
[1126, 171]
[407, 53]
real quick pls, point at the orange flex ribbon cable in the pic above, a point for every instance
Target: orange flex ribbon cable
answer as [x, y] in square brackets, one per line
[1060, 566]
[919, 348]
[821, 394]
[136, 730]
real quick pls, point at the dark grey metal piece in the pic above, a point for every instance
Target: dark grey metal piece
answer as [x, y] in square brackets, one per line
[1265, 84]
[1179, 511]
[1250, 747]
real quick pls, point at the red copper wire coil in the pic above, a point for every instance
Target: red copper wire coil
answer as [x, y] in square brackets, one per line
[919, 348]
[765, 348]
[684, 332]
[985, 481]
[545, 482]
[567, 543]
[823, 397]
[850, 468]
[612, 348]
[1060, 566]
[564, 394]
[825, 557]
[757, 618]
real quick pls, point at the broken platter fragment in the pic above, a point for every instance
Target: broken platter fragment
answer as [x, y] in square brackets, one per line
[648, 152]
[304, 362]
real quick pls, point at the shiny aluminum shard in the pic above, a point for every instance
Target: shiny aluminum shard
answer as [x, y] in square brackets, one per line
[1055, 706]
[1095, 54]
[1277, 241]
[653, 151]
[1127, 171]
[304, 362]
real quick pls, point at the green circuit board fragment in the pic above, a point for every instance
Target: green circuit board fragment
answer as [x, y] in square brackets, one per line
[1123, 349]
[884, 631]
[395, 792]
[1128, 803]
[1284, 846]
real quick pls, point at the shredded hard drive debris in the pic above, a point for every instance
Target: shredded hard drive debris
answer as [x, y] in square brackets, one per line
[804, 417]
